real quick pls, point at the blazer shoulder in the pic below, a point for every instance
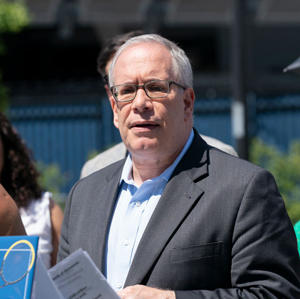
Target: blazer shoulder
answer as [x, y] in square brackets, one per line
[89, 188]
[109, 156]
[219, 144]
[233, 167]
[108, 170]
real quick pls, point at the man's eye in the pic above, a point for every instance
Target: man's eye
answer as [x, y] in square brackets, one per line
[126, 90]
[156, 87]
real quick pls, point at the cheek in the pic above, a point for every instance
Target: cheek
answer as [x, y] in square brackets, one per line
[175, 113]
[116, 120]
[120, 117]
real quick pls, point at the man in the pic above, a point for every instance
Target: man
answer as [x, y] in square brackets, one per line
[10, 220]
[177, 218]
[118, 151]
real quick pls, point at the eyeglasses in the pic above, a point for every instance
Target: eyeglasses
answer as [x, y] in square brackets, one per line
[154, 89]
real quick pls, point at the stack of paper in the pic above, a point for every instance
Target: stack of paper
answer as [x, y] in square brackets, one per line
[75, 277]
[78, 277]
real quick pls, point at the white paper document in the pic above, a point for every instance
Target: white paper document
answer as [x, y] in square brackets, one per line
[78, 277]
[43, 286]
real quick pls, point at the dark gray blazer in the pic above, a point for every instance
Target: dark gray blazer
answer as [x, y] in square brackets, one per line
[220, 229]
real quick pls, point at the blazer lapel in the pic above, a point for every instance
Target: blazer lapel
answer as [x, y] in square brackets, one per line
[180, 196]
[105, 204]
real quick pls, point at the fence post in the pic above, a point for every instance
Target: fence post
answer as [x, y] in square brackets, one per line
[239, 107]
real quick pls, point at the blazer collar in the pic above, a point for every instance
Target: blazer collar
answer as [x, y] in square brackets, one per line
[196, 160]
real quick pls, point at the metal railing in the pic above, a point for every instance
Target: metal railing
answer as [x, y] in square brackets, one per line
[67, 134]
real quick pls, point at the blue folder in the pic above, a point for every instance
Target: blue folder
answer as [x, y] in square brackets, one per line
[17, 264]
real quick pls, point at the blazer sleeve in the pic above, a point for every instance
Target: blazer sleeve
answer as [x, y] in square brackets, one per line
[64, 246]
[265, 262]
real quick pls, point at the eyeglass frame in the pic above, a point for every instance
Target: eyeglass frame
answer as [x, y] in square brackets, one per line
[137, 86]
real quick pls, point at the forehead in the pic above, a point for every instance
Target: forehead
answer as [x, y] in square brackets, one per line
[144, 59]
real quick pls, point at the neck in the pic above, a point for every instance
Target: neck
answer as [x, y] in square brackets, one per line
[145, 171]
[148, 164]
[145, 168]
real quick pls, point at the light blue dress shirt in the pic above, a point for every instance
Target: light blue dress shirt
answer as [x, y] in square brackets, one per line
[132, 213]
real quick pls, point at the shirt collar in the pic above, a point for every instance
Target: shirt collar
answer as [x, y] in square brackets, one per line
[127, 169]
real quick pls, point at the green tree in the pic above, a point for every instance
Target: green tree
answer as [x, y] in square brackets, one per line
[13, 18]
[13, 15]
[286, 170]
[53, 180]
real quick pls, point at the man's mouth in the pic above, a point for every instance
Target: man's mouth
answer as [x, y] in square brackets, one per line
[148, 125]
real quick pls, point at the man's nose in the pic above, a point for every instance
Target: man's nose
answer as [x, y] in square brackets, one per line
[141, 100]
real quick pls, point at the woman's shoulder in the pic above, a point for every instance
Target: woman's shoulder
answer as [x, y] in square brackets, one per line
[10, 220]
[37, 209]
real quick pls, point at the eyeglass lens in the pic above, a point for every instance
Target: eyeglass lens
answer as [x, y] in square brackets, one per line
[154, 89]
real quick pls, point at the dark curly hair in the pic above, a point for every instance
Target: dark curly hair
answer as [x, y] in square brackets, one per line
[19, 175]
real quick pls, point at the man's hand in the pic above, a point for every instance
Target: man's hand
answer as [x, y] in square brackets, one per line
[143, 292]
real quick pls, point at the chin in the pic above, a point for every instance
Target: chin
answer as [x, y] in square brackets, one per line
[143, 146]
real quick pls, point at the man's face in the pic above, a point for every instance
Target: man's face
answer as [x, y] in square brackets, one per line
[151, 128]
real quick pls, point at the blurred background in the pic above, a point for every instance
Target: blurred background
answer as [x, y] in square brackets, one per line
[52, 93]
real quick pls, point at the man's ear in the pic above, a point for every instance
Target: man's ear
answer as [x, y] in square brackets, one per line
[188, 99]
[114, 108]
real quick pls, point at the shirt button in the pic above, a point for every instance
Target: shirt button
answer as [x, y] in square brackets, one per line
[138, 204]
[119, 286]
[126, 243]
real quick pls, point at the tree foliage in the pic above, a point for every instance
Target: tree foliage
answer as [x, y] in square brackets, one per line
[286, 170]
[13, 18]
[53, 180]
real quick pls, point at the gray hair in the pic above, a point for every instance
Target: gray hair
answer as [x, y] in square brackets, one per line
[181, 65]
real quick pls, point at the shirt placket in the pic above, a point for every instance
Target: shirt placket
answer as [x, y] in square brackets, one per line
[128, 235]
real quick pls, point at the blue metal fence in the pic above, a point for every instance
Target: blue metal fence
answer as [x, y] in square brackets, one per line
[212, 118]
[277, 120]
[65, 134]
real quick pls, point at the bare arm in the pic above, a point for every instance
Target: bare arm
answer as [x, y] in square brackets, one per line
[56, 216]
